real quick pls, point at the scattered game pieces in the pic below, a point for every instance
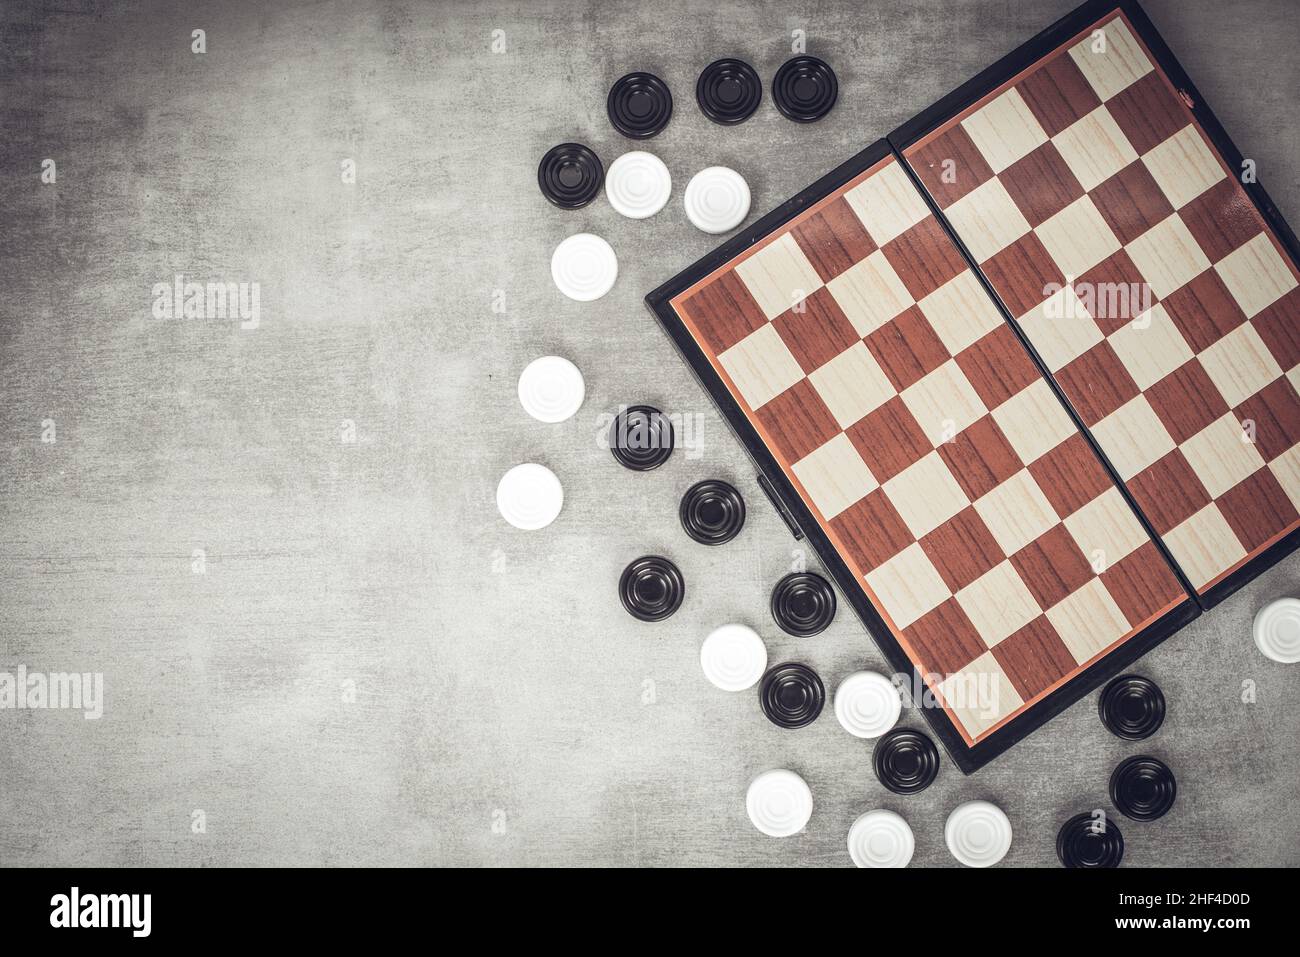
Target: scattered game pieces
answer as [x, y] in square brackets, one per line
[779, 803]
[804, 89]
[1086, 841]
[978, 834]
[733, 657]
[551, 389]
[712, 512]
[728, 91]
[529, 496]
[716, 200]
[570, 175]
[1277, 630]
[651, 588]
[641, 438]
[639, 105]
[1143, 788]
[638, 184]
[867, 704]
[803, 604]
[905, 761]
[881, 839]
[1132, 707]
[584, 267]
[792, 695]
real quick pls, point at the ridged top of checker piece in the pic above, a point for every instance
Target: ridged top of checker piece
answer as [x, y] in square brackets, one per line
[639, 105]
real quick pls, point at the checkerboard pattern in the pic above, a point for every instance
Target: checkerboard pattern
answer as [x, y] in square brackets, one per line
[933, 453]
[1147, 282]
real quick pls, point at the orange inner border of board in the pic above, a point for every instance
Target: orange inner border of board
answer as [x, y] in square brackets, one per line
[786, 466]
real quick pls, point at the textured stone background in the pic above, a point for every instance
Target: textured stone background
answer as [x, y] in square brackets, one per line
[497, 678]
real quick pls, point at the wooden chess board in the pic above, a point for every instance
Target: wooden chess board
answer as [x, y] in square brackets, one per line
[1089, 171]
[1020, 479]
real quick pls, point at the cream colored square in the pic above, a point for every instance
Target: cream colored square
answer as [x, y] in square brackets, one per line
[1255, 275]
[1061, 329]
[1033, 421]
[779, 276]
[960, 312]
[852, 384]
[907, 586]
[1106, 530]
[1004, 130]
[870, 293]
[887, 204]
[835, 476]
[761, 366]
[1114, 66]
[1221, 456]
[998, 603]
[1133, 437]
[1183, 166]
[1077, 238]
[1167, 256]
[925, 495]
[1088, 621]
[1016, 512]
[1205, 546]
[987, 220]
[1150, 347]
[980, 695]
[1240, 364]
[1286, 469]
[943, 402]
[1094, 148]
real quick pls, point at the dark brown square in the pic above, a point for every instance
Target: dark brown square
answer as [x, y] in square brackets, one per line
[997, 367]
[924, 257]
[1131, 202]
[1257, 509]
[1041, 184]
[980, 458]
[889, 439]
[1142, 585]
[950, 166]
[1148, 112]
[1279, 327]
[723, 312]
[1222, 219]
[1052, 566]
[1168, 492]
[798, 421]
[944, 640]
[1186, 400]
[1070, 475]
[1034, 658]
[1022, 274]
[1114, 292]
[907, 348]
[833, 239]
[1058, 94]
[1275, 410]
[1204, 310]
[872, 531]
[816, 330]
[1097, 383]
[962, 549]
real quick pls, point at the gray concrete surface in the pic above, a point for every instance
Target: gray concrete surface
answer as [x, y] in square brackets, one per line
[372, 668]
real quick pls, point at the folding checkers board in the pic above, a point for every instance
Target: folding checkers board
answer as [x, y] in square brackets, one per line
[1025, 374]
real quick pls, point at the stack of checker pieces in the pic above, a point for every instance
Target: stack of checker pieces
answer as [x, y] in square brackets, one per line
[1020, 480]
